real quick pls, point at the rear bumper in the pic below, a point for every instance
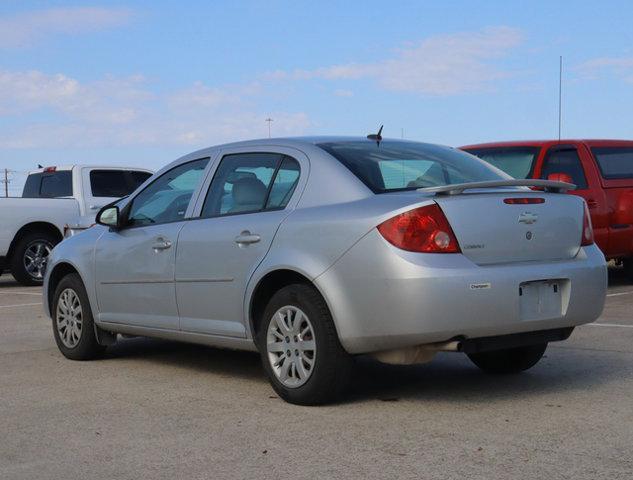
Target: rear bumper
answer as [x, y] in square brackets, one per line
[383, 298]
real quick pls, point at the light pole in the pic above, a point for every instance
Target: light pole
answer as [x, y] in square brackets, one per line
[269, 120]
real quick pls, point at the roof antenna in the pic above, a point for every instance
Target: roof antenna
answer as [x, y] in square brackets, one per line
[376, 136]
[560, 95]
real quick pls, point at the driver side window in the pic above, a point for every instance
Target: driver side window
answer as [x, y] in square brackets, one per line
[166, 199]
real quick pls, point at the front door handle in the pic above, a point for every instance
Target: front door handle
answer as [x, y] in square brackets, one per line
[161, 244]
[246, 238]
[591, 203]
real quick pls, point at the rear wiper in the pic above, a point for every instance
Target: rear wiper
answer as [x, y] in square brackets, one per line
[458, 188]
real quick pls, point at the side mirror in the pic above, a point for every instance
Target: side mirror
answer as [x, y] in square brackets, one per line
[560, 177]
[109, 216]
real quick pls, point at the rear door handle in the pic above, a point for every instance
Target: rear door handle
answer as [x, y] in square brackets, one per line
[592, 203]
[161, 244]
[246, 238]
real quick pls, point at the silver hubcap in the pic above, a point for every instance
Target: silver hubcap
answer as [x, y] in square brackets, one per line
[69, 318]
[291, 346]
[35, 258]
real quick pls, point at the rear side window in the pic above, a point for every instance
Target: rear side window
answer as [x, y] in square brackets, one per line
[251, 182]
[518, 162]
[32, 186]
[565, 160]
[614, 162]
[115, 183]
[49, 185]
[395, 165]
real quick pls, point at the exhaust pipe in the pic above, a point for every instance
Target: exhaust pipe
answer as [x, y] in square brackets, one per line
[416, 354]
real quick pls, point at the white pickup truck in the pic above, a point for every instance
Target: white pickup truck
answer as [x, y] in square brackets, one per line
[56, 202]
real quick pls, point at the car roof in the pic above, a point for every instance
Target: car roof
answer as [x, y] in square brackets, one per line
[541, 143]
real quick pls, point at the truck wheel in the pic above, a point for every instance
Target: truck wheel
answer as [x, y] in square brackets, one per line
[628, 268]
[300, 349]
[73, 324]
[512, 360]
[30, 255]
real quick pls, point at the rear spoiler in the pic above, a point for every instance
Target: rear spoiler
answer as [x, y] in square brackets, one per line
[458, 188]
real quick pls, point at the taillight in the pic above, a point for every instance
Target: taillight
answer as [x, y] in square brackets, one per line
[587, 229]
[423, 229]
[523, 201]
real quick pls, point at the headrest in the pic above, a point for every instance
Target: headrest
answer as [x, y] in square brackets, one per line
[249, 191]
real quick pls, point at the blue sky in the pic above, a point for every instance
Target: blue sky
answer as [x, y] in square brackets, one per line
[144, 82]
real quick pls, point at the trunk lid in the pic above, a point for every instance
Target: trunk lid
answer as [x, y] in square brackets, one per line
[490, 231]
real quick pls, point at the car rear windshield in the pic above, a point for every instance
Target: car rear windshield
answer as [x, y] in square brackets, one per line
[115, 183]
[614, 162]
[518, 162]
[49, 185]
[393, 165]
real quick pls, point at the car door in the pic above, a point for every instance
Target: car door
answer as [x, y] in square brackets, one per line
[249, 196]
[134, 266]
[566, 159]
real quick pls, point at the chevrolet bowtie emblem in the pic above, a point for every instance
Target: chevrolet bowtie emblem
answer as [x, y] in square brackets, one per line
[528, 218]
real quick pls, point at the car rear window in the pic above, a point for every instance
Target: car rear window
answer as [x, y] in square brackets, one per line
[518, 162]
[393, 165]
[614, 162]
[49, 185]
[115, 183]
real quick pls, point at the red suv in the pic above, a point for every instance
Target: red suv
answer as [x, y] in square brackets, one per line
[602, 171]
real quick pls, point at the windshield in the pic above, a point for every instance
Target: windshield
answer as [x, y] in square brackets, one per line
[614, 162]
[398, 165]
[518, 162]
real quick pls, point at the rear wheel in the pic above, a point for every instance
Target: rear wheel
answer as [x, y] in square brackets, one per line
[73, 324]
[511, 360]
[300, 349]
[628, 268]
[30, 256]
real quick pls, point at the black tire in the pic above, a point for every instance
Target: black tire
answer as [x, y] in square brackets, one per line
[331, 371]
[627, 264]
[512, 360]
[87, 346]
[17, 261]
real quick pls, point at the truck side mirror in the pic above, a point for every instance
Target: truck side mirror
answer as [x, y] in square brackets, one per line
[560, 177]
[109, 216]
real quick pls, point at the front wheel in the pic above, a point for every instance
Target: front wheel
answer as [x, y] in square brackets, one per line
[73, 325]
[300, 349]
[511, 360]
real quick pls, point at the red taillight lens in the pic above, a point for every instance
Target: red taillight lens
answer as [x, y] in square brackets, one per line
[523, 201]
[587, 229]
[424, 229]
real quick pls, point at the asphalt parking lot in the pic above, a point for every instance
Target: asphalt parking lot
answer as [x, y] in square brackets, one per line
[154, 409]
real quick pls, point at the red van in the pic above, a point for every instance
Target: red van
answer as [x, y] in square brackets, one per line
[602, 171]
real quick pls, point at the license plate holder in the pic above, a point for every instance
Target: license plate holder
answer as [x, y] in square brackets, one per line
[540, 299]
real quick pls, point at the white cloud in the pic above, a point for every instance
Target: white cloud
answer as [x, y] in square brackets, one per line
[622, 67]
[25, 28]
[123, 111]
[341, 92]
[440, 65]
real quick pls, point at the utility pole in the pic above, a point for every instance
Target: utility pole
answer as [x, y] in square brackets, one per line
[269, 120]
[6, 182]
[560, 95]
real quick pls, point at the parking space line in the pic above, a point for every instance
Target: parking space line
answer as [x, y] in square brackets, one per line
[630, 292]
[608, 325]
[21, 305]
[21, 293]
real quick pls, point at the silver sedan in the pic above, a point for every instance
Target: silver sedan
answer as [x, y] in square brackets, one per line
[313, 250]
